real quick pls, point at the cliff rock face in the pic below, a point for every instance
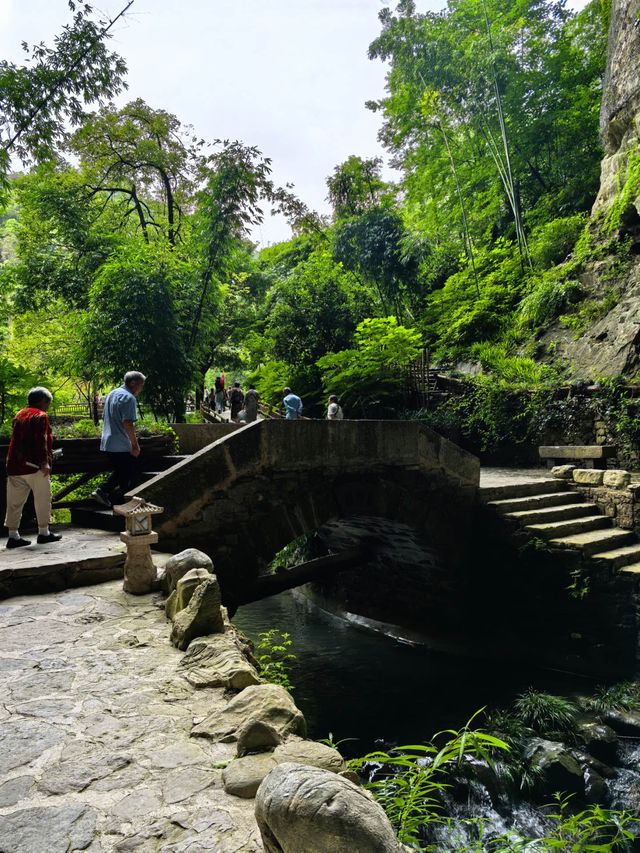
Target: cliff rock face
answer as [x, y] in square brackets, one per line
[620, 112]
[611, 345]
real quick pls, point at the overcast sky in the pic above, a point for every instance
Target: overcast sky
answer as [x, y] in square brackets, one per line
[290, 76]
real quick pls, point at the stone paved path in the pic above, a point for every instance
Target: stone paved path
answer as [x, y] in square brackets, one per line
[491, 477]
[95, 752]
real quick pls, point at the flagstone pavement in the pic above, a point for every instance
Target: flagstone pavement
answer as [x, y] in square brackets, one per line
[95, 752]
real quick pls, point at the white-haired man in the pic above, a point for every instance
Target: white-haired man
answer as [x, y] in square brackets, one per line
[29, 468]
[119, 440]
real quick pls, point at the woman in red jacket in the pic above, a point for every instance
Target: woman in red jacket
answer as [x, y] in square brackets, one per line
[29, 468]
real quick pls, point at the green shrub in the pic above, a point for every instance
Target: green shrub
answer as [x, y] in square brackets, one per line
[547, 715]
[413, 777]
[548, 298]
[275, 658]
[552, 242]
[369, 378]
[627, 194]
[514, 369]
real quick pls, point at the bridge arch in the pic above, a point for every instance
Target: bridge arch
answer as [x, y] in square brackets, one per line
[244, 497]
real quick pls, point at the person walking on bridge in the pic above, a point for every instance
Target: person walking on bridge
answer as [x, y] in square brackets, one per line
[219, 395]
[119, 441]
[292, 405]
[251, 401]
[29, 461]
[334, 409]
[236, 400]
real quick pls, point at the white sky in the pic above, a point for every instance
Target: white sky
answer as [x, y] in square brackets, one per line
[289, 76]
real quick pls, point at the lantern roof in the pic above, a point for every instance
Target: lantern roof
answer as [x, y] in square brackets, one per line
[137, 508]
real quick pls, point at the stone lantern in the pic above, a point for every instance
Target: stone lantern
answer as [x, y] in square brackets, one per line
[139, 571]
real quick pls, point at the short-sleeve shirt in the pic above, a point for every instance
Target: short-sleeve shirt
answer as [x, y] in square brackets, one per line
[119, 406]
[292, 407]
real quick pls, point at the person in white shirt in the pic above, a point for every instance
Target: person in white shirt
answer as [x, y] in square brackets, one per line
[334, 410]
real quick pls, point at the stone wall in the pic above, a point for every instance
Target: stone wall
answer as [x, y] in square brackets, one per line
[623, 505]
[193, 437]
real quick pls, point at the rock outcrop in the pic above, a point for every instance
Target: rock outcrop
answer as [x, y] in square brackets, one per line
[620, 111]
[610, 346]
[218, 660]
[301, 809]
[178, 566]
[201, 616]
[268, 703]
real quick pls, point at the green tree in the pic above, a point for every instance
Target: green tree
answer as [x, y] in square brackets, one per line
[141, 155]
[369, 379]
[135, 316]
[38, 99]
[356, 186]
[498, 97]
[372, 245]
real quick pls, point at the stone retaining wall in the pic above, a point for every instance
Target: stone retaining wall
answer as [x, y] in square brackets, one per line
[623, 505]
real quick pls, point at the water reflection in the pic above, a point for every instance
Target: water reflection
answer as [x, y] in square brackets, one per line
[355, 683]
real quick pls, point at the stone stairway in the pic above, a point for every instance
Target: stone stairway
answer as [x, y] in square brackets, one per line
[93, 515]
[556, 511]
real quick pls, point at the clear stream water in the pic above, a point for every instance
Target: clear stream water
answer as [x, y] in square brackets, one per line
[359, 684]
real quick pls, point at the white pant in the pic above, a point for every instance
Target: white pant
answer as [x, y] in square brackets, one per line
[18, 488]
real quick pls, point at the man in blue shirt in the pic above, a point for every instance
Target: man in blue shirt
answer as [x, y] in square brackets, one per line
[119, 440]
[292, 405]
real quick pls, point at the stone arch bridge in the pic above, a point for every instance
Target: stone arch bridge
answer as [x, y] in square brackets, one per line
[249, 494]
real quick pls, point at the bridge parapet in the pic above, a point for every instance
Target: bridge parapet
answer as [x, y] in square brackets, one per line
[275, 447]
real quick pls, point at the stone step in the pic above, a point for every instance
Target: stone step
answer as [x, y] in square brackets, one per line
[633, 569]
[570, 527]
[525, 488]
[595, 541]
[554, 513]
[536, 501]
[166, 462]
[620, 557]
[99, 518]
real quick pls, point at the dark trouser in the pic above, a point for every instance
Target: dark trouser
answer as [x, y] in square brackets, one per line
[124, 472]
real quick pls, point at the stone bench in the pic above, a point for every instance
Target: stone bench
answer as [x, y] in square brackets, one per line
[587, 455]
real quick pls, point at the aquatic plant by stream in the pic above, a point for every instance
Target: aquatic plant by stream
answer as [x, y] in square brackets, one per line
[472, 791]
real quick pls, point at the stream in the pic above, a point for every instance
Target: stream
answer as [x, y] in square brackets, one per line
[354, 683]
[359, 684]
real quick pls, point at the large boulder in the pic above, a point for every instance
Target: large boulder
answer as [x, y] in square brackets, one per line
[599, 740]
[256, 736]
[311, 753]
[268, 703]
[200, 617]
[243, 776]
[178, 565]
[559, 770]
[217, 661]
[624, 722]
[183, 592]
[302, 809]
